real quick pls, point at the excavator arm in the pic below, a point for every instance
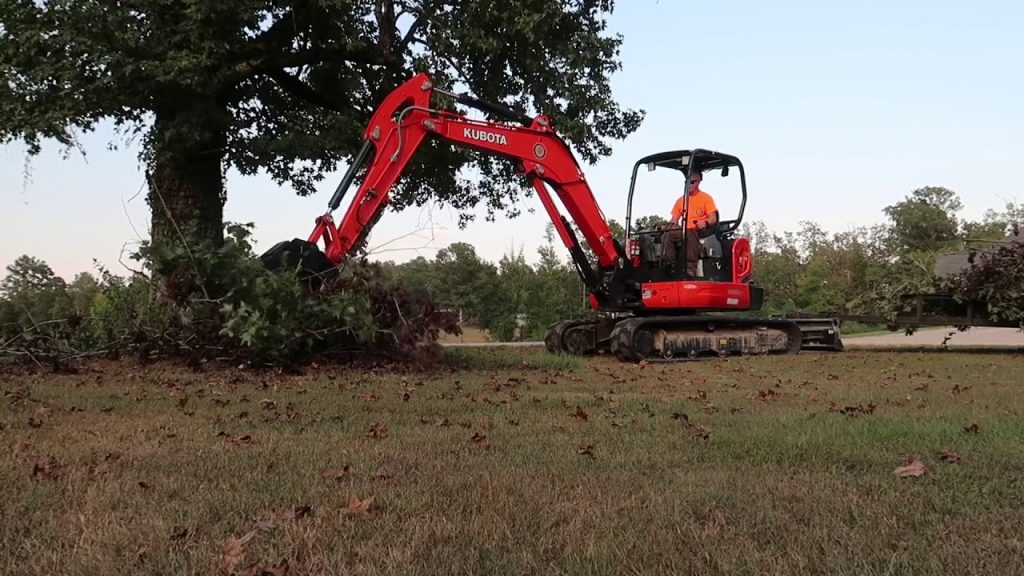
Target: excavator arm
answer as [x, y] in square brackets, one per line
[405, 119]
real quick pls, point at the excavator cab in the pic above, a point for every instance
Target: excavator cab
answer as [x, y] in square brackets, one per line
[647, 240]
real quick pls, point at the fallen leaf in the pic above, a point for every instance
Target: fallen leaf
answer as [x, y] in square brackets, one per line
[443, 422]
[234, 551]
[587, 450]
[643, 363]
[361, 508]
[337, 474]
[243, 440]
[378, 431]
[912, 468]
[406, 396]
[181, 534]
[20, 447]
[702, 432]
[922, 387]
[766, 395]
[370, 396]
[948, 456]
[144, 485]
[972, 429]
[680, 416]
[580, 415]
[480, 439]
[47, 469]
[268, 404]
[297, 512]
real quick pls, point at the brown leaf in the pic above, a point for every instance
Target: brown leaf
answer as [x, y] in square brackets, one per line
[680, 416]
[20, 447]
[702, 432]
[912, 468]
[957, 389]
[268, 404]
[443, 422]
[361, 508]
[144, 485]
[580, 415]
[406, 396]
[297, 512]
[378, 431]
[181, 534]
[337, 474]
[234, 551]
[972, 429]
[587, 450]
[922, 387]
[766, 395]
[243, 440]
[47, 469]
[369, 397]
[479, 439]
[948, 456]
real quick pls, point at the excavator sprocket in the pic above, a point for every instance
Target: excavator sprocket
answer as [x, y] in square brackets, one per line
[576, 337]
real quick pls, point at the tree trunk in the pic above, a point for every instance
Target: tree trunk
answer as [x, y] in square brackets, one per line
[186, 194]
[186, 180]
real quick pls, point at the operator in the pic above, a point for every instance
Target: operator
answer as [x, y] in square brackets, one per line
[704, 214]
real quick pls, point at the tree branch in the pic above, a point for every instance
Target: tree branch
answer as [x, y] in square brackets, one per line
[296, 87]
[410, 34]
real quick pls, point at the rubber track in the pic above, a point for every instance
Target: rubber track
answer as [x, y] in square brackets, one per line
[556, 334]
[622, 337]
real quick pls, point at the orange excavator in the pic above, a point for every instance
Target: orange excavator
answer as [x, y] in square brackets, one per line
[647, 307]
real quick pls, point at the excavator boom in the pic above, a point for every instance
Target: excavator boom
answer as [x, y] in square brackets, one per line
[405, 120]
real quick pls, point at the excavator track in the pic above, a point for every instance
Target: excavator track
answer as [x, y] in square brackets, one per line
[576, 337]
[681, 338]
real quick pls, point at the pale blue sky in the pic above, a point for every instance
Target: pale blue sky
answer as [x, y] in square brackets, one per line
[836, 110]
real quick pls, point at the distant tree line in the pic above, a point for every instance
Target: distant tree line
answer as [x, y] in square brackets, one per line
[244, 312]
[808, 270]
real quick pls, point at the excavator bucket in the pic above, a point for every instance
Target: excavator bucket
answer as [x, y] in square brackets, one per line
[311, 265]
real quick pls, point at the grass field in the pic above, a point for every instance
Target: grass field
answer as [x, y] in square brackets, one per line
[515, 462]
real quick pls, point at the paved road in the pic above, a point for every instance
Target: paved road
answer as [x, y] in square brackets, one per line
[926, 337]
[932, 337]
[491, 344]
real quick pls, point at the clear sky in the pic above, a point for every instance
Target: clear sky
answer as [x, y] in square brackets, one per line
[837, 110]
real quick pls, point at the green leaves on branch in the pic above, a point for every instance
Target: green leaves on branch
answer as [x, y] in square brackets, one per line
[218, 303]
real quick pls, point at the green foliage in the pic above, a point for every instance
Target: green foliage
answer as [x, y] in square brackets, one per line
[228, 307]
[286, 88]
[494, 296]
[650, 222]
[925, 221]
[996, 276]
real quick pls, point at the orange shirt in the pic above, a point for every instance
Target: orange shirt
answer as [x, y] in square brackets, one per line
[702, 206]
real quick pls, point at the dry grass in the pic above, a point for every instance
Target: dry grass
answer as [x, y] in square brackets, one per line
[512, 462]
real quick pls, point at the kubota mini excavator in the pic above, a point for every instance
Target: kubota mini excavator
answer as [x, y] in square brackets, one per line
[647, 308]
